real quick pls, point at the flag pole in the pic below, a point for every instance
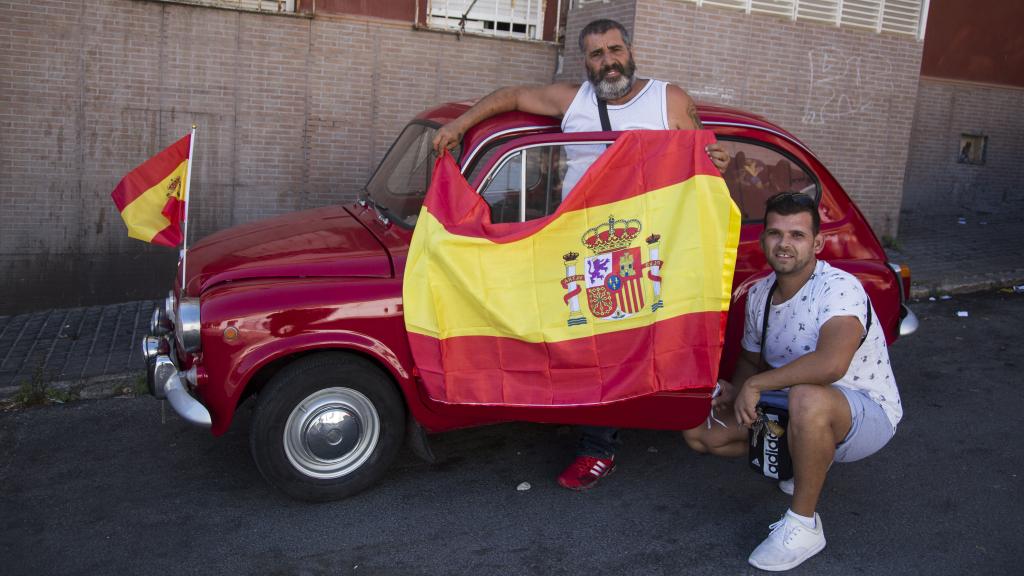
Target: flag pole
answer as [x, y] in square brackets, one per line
[188, 182]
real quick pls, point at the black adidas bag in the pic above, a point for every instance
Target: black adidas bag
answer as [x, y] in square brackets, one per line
[769, 447]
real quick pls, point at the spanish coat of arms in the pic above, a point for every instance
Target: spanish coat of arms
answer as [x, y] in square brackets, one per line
[613, 275]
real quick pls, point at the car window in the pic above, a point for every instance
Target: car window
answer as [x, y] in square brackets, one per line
[401, 181]
[528, 183]
[483, 160]
[758, 172]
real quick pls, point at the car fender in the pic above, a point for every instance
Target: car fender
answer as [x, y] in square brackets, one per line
[222, 405]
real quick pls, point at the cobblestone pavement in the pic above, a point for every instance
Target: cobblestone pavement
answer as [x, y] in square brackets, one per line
[961, 252]
[97, 348]
[72, 346]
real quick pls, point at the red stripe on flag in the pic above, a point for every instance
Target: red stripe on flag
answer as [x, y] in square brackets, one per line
[150, 173]
[171, 235]
[635, 291]
[462, 211]
[591, 370]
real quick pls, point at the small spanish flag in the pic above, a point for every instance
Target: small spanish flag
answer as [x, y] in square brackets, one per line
[621, 292]
[151, 198]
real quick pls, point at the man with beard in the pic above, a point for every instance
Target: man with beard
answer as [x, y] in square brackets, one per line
[808, 335]
[633, 104]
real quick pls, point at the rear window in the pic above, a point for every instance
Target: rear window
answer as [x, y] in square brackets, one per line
[758, 172]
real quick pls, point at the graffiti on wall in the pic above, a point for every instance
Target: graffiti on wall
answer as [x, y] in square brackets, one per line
[841, 85]
[714, 93]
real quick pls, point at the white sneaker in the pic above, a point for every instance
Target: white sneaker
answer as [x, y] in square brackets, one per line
[789, 544]
[786, 486]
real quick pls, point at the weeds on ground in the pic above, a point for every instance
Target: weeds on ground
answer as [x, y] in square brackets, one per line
[892, 243]
[131, 387]
[39, 390]
[141, 387]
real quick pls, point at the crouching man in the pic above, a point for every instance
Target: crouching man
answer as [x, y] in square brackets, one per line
[820, 344]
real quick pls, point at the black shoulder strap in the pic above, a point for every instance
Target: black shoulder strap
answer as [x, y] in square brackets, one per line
[868, 327]
[764, 322]
[768, 309]
[602, 109]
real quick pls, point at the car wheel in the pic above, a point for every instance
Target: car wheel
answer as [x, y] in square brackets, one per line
[327, 426]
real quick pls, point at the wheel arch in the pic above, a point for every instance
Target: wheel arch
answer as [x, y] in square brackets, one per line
[261, 364]
[265, 373]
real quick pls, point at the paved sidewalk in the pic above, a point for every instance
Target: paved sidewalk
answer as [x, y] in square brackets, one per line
[96, 350]
[961, 252]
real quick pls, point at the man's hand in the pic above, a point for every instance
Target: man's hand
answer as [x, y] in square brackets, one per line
[745, 407]
[726, 395]
[719, 157]
[447, 138]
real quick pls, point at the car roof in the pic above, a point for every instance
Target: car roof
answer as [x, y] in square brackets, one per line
[521, 122]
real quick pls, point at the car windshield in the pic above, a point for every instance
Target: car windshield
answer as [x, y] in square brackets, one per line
[400, 183]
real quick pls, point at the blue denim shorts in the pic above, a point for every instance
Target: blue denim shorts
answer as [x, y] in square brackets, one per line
[870, 431]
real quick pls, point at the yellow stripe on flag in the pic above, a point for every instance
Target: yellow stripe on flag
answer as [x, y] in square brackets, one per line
[144, 216]
[476, 287]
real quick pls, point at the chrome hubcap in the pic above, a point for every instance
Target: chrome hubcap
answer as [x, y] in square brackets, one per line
[331, 433]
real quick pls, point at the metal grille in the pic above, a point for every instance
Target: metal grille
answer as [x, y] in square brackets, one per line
[264, 5]
[246, 5]
[503, 18]
[896, 16]
[777, 7]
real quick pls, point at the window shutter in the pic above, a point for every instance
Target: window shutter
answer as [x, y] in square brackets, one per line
[503, 18]
[896, 16]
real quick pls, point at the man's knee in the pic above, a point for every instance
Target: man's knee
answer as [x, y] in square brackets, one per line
[810, 405]
[814, 407]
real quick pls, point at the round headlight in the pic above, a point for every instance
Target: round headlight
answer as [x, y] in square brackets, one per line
[187, 323]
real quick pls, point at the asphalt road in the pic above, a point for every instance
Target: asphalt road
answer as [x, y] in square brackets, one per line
[110, 487]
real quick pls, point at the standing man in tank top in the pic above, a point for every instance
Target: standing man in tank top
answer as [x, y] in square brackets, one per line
[633, 104]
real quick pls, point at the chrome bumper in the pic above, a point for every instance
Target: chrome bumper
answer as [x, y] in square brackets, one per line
[908, 321]
[166, 381]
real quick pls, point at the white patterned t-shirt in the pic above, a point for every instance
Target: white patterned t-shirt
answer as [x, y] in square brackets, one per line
[793, 328]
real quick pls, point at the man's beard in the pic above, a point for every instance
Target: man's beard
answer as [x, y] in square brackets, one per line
[613, 89]
[796, 265]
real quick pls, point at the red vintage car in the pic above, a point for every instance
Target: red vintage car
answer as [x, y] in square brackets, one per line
[303, 313]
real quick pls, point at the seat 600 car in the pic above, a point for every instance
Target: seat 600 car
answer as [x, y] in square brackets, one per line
[302, 314]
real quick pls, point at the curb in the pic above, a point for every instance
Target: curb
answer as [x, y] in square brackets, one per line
[966, 286]
[103, 386]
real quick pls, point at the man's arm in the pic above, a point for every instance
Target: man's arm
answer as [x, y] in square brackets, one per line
[682, 115]
[746, 366]
[837, 343]
[682, 111]
[548, 100]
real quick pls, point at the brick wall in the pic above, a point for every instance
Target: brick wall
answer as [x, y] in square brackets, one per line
[293, 113]
[582, 12]
[848, 94]
[936, 183]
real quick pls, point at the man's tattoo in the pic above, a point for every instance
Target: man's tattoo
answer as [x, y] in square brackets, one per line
[692, 111]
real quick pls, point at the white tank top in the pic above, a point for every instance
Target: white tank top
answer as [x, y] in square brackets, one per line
[648, 110]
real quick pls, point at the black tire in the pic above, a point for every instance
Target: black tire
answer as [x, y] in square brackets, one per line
[345, 438]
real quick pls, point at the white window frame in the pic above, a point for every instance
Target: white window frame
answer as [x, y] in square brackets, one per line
[262, 6]
[906, 17]
[519, 19]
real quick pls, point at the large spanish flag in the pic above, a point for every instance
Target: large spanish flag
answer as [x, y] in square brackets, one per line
[622, 292]
[151, 197]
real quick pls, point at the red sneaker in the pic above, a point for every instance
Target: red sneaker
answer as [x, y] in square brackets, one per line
[585, 471]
